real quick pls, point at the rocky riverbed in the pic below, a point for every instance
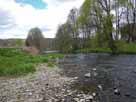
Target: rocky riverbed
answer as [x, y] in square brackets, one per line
[45, 85]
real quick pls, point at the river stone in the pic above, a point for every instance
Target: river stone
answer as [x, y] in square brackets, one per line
[90, 97]
[94, 69]
[87, 75]
[116, 92]
[82, 100]
[100, 87]
[94, 94]
[76, 99]
[95, 74]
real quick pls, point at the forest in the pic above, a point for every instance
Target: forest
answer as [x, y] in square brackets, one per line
[99, 26]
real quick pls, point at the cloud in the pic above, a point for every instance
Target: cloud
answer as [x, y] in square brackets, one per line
[19, 19]
[6, 20]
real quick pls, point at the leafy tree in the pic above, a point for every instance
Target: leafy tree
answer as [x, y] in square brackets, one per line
[64, 39]
[19, 42]
[35, 38]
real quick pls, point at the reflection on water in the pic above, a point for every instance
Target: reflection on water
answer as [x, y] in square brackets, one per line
[114, 71]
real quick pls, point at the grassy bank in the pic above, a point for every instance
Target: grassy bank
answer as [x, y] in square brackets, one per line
[122, 48]
[15, 62]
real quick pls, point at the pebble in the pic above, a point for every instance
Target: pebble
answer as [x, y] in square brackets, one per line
[75, 78]
[82, 100]
[76, 99]
[30, 94]
[88, 75]
[116, 92]
[94, 69]
[89, 97]
[95, 74]
[94, 94]
[40, 99]
[100, 87]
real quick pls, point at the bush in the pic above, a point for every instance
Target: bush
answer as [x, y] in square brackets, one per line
[126, 48]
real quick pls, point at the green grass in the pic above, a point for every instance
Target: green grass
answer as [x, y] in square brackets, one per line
[125, 48]
[122, 48]
[50, 64]
[15, 62]
[94, 50]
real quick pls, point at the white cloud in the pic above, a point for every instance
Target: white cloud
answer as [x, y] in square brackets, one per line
[26, 17]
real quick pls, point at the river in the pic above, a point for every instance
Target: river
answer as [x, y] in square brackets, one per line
[112, 77]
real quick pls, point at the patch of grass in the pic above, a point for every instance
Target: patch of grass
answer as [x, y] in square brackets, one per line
[122, 48]
[125, 48]
[94, 50]
[15, 62]
[50, 64]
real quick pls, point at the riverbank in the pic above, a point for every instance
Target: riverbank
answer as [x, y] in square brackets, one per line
[45, 85]
[16, 62]
[121, 48]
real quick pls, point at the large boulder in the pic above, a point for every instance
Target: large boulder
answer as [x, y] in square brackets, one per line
[35, 39]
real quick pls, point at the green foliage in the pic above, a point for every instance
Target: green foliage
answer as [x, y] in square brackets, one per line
[124, 47]
[15, 62]
[19, 42]
[50, 64]
[64, 39]
[35, 38]
[94, 50]
[85, 9]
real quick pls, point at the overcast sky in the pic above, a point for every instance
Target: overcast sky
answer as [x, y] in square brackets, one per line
[18, 16]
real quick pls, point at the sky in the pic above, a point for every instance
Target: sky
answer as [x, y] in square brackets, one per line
[17, 17]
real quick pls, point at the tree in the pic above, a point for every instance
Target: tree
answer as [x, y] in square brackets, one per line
[19, 42]
[35, 38]
[64, 39]
[98, 14]
[72, 17]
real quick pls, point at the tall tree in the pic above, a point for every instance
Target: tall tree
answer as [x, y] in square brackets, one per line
[64, 39]
[74, 27]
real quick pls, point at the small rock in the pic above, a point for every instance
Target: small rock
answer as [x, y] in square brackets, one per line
[88, 75]
[82, 100]
[70, 93]
[30, 94]
[95, 74]
[79, 95]
[94, 69]
[76, 99]
[27, 90]
[40, 99]
[89, 97]
[63, 89]
[116, 92]
[75, 78]
[100, 87]
[94, 94]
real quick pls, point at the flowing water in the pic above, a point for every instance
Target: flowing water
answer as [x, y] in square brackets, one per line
[111, 72]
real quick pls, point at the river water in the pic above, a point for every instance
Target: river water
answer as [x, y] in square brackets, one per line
[111, 72]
